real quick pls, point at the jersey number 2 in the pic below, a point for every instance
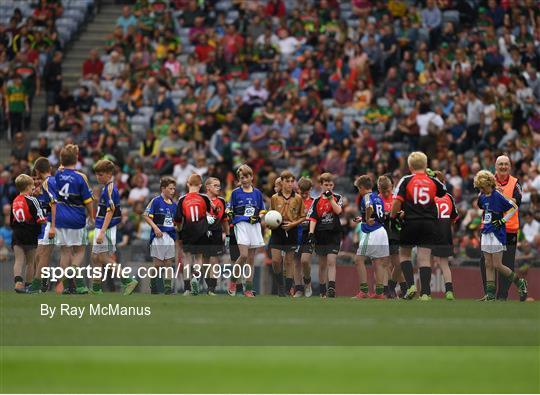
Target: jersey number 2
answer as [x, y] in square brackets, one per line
[444, 211]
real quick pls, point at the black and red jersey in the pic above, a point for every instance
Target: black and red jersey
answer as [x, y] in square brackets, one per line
[417, 192]
[447, 215]
[218, 212]
[191, 212]
[26, 219]
[308, 202]
[322, 213]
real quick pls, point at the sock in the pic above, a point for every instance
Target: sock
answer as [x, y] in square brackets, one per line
[332, 284]
[289, 283]
[126, 280]
[364, 288]
[96, 286]
[36, 284]
[513, 278]
[44, 285]
[403, 287]
[425, 280]
[322, 289]
[167, 284]
[385, 289]
[208, 282]
[392, 285]
[449, 287]
[187, 285]
[67, 283]
[407, 269]
[18, 279]
[379, 289]
[279, 278]
[307, 280]
[240, 287]
[27, 284]
[249, 286]
[490, 288]
[79, 282]
[299, 288]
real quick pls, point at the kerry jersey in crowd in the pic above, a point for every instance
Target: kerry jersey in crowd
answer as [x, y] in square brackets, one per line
[46, 199]
[322, 213]
[191, 213]
[447, 215]
[374, 200]
[162, 213]
[218, 212]
[494, 206]
[245, 205]
[109, 201]
[73, 192]
[26, 219]
[417, 192]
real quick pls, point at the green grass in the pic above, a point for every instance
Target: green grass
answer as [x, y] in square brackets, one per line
[222, 344]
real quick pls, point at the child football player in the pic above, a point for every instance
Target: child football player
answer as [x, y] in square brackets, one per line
[285, 238]
[26, 220]
[247, 206]
[46, 239]
[373, 239]
[220, 227]
[74, 205]
[108, 216]
[159, 214]
[444, 248]
[302, 264]
[325, 233]
[192, 215]
[493, 239]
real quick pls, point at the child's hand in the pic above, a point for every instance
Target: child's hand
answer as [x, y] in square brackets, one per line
[370, 221]
[286, 226]
[357, 219]
[99, 238]
[52, 233]
[159, 233]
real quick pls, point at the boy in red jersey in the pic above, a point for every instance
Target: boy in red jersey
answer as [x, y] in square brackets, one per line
[193, 214]
[326, 232]
[302, 264]
[215, 247]
[26, 220]
[415, 194]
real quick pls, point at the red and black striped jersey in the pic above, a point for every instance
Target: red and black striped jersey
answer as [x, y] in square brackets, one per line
[26, 215]
[191, 212]
[417, 192]
[322, 213]
[218, 212]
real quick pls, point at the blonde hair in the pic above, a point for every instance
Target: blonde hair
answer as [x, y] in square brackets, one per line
[69, 155]
[384, 182]
[244, 170]
[104, 166]
[23, 181]
[417, 160]
[210, 180]
[304, 184]
[326, 177]
[484, 178]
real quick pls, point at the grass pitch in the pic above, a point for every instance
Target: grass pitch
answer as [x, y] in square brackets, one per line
[223, 344]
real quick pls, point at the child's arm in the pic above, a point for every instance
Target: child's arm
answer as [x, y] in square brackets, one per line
[52, 230]
[105, 226]
[336, 206]
[150, 222]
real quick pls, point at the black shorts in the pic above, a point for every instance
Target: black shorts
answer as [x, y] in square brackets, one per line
[234, 251]
[214, 244]
[194, 243]
[327, 242]
[443, 247]
[284, 241]
[394, 246]
[420, 233]
[24, 239]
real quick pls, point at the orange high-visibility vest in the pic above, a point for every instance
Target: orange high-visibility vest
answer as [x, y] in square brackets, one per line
[512, 226]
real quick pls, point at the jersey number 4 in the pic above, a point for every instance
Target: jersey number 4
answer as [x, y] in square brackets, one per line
[421, 195]
[64, 192]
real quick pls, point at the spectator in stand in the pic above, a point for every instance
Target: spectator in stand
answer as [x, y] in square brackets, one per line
[52, 76]
[126, 20]
[114, 67]
[93, 66]
[138, 193]
[531, 229]
[50, 121]
[17, 103]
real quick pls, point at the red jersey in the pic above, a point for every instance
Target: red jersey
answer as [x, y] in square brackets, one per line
[191, 212]
[417, 192]
[322, 213]
[218, 212]
[26, 219]
[308, 202]
[447, 215]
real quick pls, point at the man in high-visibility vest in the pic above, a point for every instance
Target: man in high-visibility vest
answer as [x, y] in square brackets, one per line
[509, 186]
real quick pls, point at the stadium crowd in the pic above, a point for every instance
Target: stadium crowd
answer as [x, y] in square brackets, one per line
[346, 87]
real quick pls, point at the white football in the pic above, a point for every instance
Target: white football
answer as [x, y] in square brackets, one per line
[273, 219]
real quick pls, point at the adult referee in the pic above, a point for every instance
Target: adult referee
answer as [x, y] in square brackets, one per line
[511, 189]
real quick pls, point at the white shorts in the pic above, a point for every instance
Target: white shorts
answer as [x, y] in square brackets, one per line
[374, 244]
[108, 244]
[490, 244]
[249, 235]
[71, 237]
[163, 248]
[45, 241]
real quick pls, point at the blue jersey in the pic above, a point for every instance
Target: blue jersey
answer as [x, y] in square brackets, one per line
[109, 201]
[162, 213]
[73, 192]
[46, 199]
[245, 204]
[494, 206]
[374, 200]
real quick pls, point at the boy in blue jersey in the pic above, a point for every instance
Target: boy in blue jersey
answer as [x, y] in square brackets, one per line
[247, 207]
[493, 239]
[107, 217]
[159, 214]
[74, 206]
[46, 239]
[373, 239]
